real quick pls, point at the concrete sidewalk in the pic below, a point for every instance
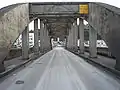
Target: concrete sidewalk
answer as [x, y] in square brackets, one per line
[109, 62]
[105, 62]
[15, 62]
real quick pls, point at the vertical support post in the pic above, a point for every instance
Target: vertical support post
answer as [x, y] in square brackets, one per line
[41, 37]
[70, 39]
[25, 43]
[75, 36]
[47, 39]
[2, 68]
[50, 43]
[92, 42]
[66, 42]
[81, 36]
[36, 38]
[44, 38]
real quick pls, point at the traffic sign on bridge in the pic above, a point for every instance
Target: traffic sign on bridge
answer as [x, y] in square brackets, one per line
[83, 9]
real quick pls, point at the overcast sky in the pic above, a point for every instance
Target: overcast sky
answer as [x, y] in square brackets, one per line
[9, 2]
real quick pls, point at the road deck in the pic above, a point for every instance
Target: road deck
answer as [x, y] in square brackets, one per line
[60, 69]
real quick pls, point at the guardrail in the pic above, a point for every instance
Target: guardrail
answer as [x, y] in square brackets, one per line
[102, 51]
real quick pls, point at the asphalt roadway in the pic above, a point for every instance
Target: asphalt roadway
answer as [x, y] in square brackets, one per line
[59, 69]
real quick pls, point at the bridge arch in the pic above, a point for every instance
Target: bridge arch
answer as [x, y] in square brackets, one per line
[13, 20]
[103, 18]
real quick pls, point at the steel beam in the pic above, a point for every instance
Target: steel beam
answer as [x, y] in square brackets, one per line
[75, 36]
[36, 38]
[69, 40]
[81, 36]
[58, 3]
[25, 43]
[92, 42]
[44, 38]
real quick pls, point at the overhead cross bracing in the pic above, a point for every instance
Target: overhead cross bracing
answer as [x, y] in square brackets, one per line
[57, 16]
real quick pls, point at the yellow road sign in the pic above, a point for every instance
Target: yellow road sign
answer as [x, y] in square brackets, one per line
[83, 9]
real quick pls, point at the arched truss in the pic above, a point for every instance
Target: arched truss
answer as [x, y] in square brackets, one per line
[102, 17]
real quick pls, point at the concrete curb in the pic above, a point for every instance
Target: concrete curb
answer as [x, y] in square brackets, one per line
[90, 60]
[14, 68]
[18, 66]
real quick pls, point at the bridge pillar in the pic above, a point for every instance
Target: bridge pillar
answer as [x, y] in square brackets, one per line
[75, 36]
[66, 40]
[36, 38]
[2, 68]
[117, 65]
[47, 39]
[67, 43]
[44, 38]
[25, 43]
[70, 39]
[41, 37]
[92, 42]
[81, 36]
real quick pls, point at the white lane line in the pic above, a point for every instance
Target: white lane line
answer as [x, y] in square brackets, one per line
[77, 83]
[39, 86]
[99, 77]
[24, 74]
